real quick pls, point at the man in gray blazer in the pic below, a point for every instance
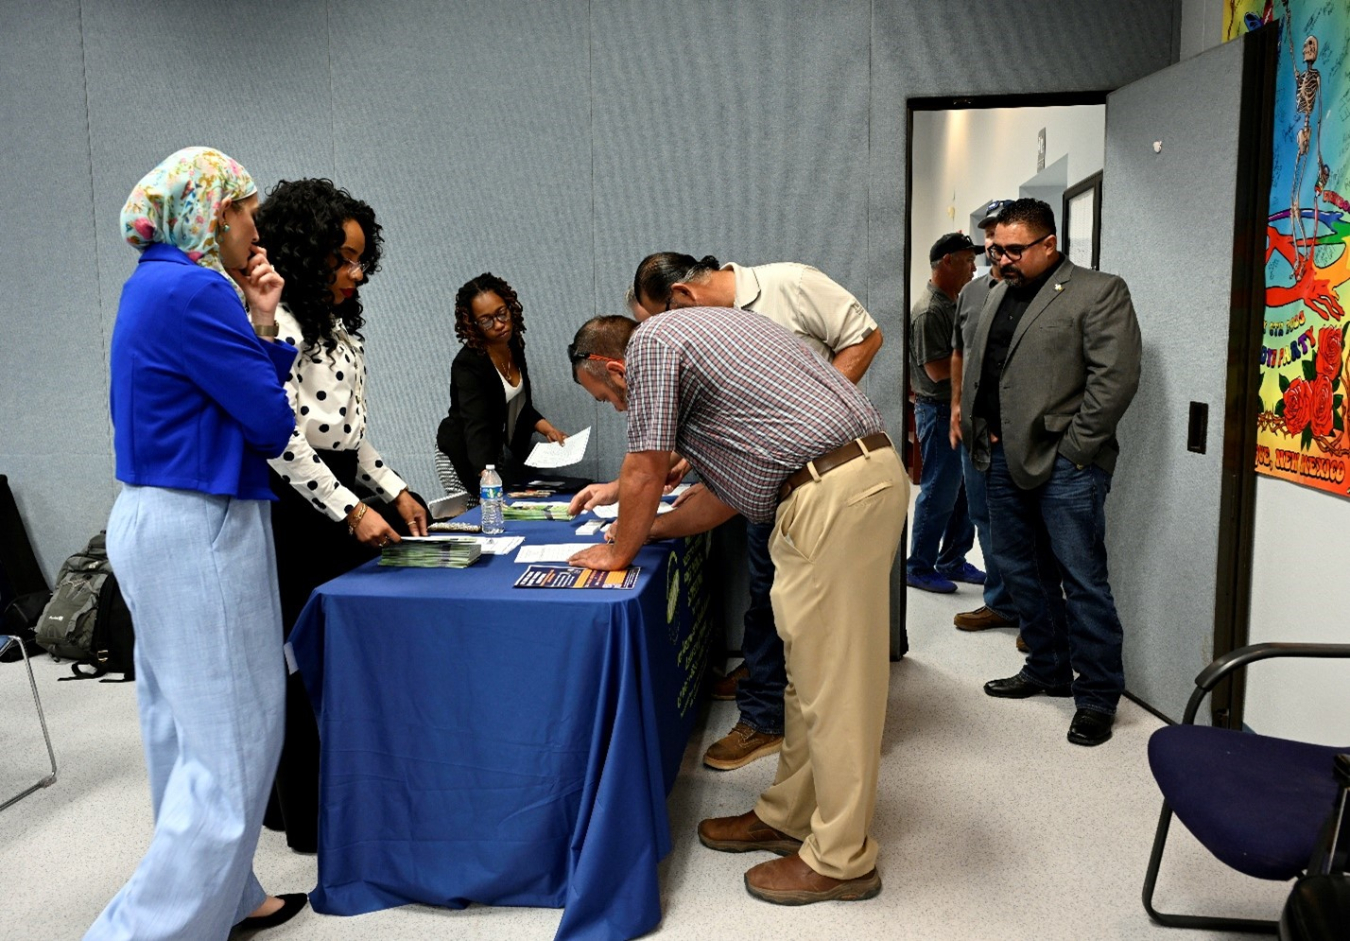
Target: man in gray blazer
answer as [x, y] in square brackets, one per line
[1052, 367]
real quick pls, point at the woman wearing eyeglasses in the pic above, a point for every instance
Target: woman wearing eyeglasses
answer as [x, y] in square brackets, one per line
[337, 500]
[492, 416]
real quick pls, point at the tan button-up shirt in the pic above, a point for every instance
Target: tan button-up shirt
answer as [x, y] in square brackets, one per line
[821, 313]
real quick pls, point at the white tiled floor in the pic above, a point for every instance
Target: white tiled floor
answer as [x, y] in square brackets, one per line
[991, 825]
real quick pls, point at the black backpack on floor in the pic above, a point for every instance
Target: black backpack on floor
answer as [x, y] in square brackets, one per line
[87, 619]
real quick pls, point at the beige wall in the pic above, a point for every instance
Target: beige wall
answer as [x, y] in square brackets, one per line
[964, 158]
[1299, 589]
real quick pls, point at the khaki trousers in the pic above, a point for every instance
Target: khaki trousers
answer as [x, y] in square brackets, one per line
[833, 545]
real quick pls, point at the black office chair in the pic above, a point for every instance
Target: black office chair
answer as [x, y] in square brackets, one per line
[1259, 804]
[23, 587]
[20, 573]
[49, 778]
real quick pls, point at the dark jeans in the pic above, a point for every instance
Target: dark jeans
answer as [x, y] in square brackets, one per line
[942, 531]
[760, 695]
[1050, 543]
[996, 596]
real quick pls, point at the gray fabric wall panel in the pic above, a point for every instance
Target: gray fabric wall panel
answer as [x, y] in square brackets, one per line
[54, 430]
[930, 48]
[466, 126]
[748, 142]
[64, 498]
[1163, 513]
[252, 80]
[553, 143]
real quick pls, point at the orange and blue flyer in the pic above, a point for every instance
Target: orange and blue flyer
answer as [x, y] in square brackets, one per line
[568, 576]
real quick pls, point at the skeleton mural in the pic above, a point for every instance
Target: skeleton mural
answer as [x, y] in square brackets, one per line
[1303, 412]
[1307, 98]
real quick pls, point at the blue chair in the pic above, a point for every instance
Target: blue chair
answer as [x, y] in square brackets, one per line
[49, 779]
[1258, 803]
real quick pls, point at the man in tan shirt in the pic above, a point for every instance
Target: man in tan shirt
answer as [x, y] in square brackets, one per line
[829, 320]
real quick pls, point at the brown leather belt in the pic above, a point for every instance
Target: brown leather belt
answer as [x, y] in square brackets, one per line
[836, 458]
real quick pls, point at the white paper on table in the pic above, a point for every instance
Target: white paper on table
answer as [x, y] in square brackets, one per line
[611, 512]
[559, 552]
[551, 454]
[439, 537]
[499, 545]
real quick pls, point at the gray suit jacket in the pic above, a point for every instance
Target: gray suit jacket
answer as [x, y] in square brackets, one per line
[968, 306]
[1072, 370]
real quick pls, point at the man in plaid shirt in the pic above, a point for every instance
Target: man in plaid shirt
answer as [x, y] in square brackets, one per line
[780, 436]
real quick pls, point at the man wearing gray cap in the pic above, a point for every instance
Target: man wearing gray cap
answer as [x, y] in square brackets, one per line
[943, 533]
[998, 609]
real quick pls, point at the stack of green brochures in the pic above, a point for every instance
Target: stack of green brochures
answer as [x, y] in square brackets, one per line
[432, 552]
[536, 510]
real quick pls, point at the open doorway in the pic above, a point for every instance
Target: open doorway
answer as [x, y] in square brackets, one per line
[962, 154]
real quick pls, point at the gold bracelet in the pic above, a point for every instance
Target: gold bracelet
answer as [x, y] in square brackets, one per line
[352, 524]
[266, 330]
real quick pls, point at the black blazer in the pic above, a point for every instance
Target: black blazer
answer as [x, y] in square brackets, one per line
[473, 435]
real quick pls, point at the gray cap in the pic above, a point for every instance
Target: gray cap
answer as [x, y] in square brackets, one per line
[992, 212]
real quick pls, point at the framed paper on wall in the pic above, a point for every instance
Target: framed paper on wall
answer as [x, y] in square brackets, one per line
[1082, 234]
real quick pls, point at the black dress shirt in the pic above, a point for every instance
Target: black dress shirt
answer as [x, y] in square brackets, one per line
[1009, 315]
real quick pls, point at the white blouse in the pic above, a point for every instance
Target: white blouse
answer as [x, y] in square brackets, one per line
[327, 391]
[515, 400]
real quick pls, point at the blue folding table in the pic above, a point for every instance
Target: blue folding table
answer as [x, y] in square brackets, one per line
[512, 746]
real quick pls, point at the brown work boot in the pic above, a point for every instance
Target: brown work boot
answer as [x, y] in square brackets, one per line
[981, 619]
[1021, 644]
[739, 747]
[725, 688]
[790, 881]
[743, 834]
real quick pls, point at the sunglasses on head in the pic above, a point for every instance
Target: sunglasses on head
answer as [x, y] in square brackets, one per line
[576, 356]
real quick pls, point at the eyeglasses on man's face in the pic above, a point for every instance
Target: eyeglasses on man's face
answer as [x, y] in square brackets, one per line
[502, 316]
[1014, 252]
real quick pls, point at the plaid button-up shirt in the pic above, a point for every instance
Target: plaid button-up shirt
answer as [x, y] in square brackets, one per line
[741, 398]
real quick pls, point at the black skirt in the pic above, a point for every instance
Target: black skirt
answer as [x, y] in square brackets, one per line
[311, 549]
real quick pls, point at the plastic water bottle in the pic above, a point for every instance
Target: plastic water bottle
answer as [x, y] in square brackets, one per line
[490, 499]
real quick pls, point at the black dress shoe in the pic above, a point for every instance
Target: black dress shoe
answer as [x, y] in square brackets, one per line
[1090, 727]
[1015, 687]
[291, 905]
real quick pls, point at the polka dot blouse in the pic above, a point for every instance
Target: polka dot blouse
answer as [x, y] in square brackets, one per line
[328, 393]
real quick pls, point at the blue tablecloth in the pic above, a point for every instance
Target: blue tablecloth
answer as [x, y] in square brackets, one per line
[483, 743]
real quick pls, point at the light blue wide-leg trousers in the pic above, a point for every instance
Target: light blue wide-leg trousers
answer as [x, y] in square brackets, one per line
[199, 576]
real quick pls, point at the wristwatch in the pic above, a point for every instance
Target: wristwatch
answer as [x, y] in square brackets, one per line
[266, 329]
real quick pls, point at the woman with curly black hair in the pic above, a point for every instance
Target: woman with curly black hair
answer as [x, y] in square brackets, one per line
[492, 414]
[337, 500]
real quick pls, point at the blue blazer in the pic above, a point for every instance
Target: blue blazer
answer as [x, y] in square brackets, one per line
[197, 399]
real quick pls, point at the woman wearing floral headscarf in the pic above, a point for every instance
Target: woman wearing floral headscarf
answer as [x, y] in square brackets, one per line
[198, 406]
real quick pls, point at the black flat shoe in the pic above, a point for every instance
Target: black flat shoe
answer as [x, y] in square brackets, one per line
[291, 905]
[1090, 727]
[1015, 687]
